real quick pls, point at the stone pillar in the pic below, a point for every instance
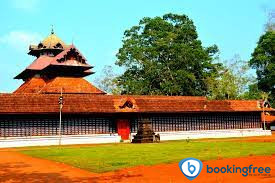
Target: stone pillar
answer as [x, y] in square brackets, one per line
[145, 134]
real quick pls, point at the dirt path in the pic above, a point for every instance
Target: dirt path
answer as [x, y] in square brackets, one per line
[16, 167]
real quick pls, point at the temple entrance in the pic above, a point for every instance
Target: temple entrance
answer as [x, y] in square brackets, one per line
[123, 128]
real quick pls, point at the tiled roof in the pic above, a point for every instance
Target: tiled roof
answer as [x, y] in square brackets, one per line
[45, 62]
[37, 65]
[85, 103]
[62, 55]
[65, 52]
[40, 63]
[34, 85]
[68, 85]
[269, 118]
[196, 105]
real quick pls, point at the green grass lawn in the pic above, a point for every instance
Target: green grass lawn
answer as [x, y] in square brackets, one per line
[109, 157]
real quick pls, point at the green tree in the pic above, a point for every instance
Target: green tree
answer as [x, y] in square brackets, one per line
[163, 56]
[253, 92]
[270, 25]
[108, 80]
[232, 82]
[263, 60]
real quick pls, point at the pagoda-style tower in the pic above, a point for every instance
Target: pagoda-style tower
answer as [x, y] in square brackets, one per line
[57, 65]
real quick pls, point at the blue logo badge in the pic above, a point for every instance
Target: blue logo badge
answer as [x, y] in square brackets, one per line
[190, 167]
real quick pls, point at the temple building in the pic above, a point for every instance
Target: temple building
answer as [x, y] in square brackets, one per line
[33, 109]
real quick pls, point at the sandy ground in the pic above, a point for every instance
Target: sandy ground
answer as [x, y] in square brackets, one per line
[18, 168]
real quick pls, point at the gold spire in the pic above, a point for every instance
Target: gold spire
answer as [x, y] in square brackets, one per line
[52, 40]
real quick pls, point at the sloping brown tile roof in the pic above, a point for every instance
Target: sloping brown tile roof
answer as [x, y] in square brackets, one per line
[68, 85]
[85, 103]
[196, 105]
[269, 118]
[40, 63]
[65, 52]
[34, 85]
[43, 62]
[37, 65]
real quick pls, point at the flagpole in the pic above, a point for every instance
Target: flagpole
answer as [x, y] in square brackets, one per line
[60, 115]
[264, 118]
[264, 122]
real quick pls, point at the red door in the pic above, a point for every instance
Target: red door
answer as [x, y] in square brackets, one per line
[123, 128]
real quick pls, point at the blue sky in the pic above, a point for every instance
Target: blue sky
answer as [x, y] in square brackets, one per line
[96, 27]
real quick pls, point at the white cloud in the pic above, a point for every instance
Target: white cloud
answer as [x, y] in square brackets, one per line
[26, 5]
[20, 40]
